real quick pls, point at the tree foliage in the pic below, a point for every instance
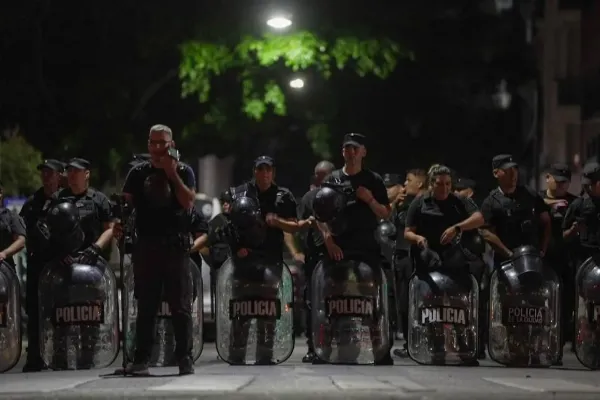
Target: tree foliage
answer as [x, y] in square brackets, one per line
[18, 163]
[255, 62]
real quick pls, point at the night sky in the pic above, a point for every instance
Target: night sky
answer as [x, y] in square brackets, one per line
[80, 78]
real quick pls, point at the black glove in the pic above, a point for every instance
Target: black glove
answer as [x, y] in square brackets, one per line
[90, 255]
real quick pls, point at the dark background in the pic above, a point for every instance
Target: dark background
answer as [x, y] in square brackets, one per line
[82, 78]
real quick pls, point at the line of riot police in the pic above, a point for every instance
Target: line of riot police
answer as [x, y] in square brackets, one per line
[445, 299]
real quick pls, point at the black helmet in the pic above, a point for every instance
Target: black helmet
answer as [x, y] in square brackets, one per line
[225, 197]
[66, 234]
[247, 220]
[328, 204]
[62, 219]
[386, 232]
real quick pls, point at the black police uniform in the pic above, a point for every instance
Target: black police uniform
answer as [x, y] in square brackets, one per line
[11, 226]
[403, 268]
[559, 250]
[358, 241]
[430, 218]
[280, 201]
[161, 258]
[33, 213]
[314, 250]
[514, 217]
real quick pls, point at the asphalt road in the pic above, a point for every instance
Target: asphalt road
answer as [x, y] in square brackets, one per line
[295, 380]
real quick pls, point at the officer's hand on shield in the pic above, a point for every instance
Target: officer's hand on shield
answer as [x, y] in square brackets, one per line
[90, 255]
[306, 223]
[3, 256]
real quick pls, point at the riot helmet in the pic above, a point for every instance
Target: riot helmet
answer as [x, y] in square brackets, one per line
[246, 218]
[64, 227]
[328, 207]
[385, 232]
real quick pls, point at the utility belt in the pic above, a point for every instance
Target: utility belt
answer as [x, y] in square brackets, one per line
[178, 241]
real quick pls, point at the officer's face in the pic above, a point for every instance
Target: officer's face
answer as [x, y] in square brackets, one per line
[158, 144]
[226, 207]
[394, 191]
[412, 185]
[77, 177]
[441, 187]
[560, 188]
[263, 174]
[507, 177]
[353, 154]
[320, 176]
[50, 177]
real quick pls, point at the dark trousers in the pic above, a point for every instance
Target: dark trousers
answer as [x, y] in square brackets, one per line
[310, 264]
[34, 268]
[265, 277]
[403, 268]
[159, 267]
[563, 269]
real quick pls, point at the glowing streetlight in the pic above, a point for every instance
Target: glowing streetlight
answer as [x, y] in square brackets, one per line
[502, 98]
[297, 83]
[279, 22]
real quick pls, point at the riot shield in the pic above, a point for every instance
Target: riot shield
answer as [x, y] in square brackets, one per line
[79, 318]
[10, 318]
[587, 314]
[443, 318]
[163, 351]
[524, 320]
[255, 321]
[350, 318]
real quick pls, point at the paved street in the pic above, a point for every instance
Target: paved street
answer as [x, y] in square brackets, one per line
[294, 380]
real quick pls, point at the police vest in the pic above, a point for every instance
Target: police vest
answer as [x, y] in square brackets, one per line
[590, 216]
[518, 217]
[88, 213]
[6, 235]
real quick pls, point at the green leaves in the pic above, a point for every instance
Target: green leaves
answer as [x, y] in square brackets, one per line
[202, 62]
[256, 62]
[18, 166]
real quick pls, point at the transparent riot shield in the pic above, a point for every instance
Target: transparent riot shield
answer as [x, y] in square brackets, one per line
[350, 318]
[587, 314]
[10, 318]
[79, 319]
[163, 351]
[524, 320]
[443, 318]
[255, 321]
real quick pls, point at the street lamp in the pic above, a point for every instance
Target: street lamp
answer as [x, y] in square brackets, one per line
[502, 98]
[279, 22]
[297, 83]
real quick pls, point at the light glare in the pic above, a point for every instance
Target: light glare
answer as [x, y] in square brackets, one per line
[297, 83]
[279, 22]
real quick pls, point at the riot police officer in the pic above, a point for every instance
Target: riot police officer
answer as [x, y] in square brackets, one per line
[314, 248]
[94, 209]
[464, 187]
[437, 219]
[33, 213]
[161, 192]
[557, 197]
[362, 216]
[514, 214]
[415, 185]
[278, 208]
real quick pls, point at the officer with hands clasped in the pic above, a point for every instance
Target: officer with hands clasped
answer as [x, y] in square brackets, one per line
[514, 214]
[363, 215]
[94, 209]
[33, 214]
[161, 192]
[278, 210]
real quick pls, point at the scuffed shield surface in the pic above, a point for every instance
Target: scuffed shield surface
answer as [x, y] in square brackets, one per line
[254, 313]
[443, 318]
[79, 319]
[10, 318]
[350, 318]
